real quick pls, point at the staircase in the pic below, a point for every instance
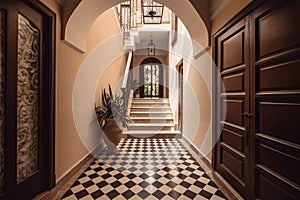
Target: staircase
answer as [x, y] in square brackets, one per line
[151, 118]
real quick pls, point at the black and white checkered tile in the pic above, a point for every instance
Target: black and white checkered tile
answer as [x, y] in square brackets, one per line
[145, 169]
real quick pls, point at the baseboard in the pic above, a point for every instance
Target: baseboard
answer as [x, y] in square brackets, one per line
[227, 189]
[64, 182]
[206, 160]
[72, 168]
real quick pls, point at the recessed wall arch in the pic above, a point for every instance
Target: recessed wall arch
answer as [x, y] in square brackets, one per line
[79, 20]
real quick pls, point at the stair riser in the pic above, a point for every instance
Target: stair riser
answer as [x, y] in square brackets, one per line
[150, 128]
[149, 105]
[151, 100]
[150, 115]
[150, 110]
[161, 121]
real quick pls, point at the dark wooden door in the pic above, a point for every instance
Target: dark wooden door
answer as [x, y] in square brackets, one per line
[275, 99]
[233, 59]
[27, 99]
[151, 77]
[258, 54]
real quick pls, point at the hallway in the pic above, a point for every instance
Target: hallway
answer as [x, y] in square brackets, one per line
[150, 168]
[224, 123]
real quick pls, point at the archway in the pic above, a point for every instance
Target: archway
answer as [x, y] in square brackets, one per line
[76, 27]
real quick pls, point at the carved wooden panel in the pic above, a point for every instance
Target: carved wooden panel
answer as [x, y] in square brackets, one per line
[234, 110]
[233, 138]
[2, 93]
[232, 163]
[270, 157]
[284, 76]
[27, 98]
[280, 120]
[277, 29]
[234, 83]
[233, 50]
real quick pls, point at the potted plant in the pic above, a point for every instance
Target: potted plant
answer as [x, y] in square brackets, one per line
[135, 88]
[110, 114]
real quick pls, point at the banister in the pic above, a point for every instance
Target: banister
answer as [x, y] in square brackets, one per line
[128, 64]
[127, 81]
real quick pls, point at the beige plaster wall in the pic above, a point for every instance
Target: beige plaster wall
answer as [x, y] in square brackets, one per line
[196, 92]
[113, 75]
[69, 150]
[227, 12]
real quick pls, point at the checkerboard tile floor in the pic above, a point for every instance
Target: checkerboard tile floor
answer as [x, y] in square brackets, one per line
[145, 169]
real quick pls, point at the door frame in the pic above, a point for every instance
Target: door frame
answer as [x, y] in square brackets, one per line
[47, 122]
[152, 60]
[179, 68]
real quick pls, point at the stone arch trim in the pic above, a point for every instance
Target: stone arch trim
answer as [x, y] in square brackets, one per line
[76, 28]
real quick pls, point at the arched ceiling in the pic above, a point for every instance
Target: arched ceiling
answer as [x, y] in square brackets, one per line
[79, 16]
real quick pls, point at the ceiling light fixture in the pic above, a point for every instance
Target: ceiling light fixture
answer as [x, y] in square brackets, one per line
[151, 48]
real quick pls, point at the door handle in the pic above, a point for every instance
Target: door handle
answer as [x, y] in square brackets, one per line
[251, 116]
[245, 114]
[248, 115]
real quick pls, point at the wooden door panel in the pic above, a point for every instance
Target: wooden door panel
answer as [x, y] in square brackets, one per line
[233, 60]
[276, 100]
[234, 83]
[234, 139]
[279, 120]
[234, 164]
[280, 77]
[234, 111]
[277, 29]
[272, 188]
[270, 158]
[233, 53]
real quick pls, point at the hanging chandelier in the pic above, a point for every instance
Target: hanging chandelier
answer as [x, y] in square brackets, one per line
[152, 12]
[151, 48]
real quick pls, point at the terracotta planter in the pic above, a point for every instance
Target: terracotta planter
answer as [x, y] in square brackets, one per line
[112, 131]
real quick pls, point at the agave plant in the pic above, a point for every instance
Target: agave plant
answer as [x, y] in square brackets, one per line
[113, 107]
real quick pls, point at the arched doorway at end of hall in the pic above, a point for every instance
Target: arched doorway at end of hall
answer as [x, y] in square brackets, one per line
[151, 78]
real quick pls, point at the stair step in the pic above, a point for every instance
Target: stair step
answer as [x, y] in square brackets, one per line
[151, 126]
[152, 119]
[150, 114]
[150, 105]
[150, 109]
[150, 100]
[155, 134]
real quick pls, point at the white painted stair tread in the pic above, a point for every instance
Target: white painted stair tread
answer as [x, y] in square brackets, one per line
[152, 132]
[154, 118]
[152, 124]
[143, 112]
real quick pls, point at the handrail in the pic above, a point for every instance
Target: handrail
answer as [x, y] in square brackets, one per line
[126, 85]
[128, 64]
